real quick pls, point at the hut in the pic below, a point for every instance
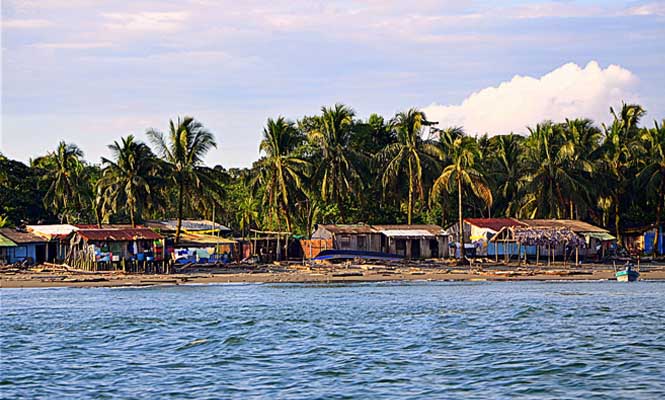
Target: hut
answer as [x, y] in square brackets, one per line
[114, 248]
[479, 231]
[5, 246]
[57, 236]
[349, 237]
[30, 247]
[410, 241]
[553, 238]
[414, 241]
[203, 248]
[640, 239]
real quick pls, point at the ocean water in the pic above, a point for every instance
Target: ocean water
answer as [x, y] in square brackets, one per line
[419, 340]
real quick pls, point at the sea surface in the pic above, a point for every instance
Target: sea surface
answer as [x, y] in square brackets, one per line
[420, 340]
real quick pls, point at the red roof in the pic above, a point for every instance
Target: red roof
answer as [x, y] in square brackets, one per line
[118, 235]
[495, 224]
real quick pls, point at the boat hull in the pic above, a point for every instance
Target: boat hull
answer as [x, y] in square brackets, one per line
[627, 276]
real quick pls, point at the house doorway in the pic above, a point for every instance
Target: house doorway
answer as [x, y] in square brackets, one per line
[434, 248]
[415, 248]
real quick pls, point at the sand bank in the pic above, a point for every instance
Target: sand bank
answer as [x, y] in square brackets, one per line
[43, 277]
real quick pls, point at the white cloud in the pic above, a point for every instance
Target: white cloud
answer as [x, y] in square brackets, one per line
[146, 21]
[647, 9]
[73, 45]
[26, 23]
[567, 92]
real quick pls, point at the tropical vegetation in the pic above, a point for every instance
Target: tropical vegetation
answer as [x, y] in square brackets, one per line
[335, 167]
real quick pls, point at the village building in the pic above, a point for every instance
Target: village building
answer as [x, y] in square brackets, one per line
[199, 226]
[114, 248]
[30, 247]
[479, 231]
[5, 246]
[410, 241]
[641, 239]
[57, 236]
[554, 238]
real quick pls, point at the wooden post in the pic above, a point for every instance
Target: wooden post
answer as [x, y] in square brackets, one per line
[577, 255]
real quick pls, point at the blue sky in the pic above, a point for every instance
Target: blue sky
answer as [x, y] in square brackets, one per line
[90, 72]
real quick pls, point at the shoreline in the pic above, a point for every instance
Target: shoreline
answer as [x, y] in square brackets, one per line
[44, 278]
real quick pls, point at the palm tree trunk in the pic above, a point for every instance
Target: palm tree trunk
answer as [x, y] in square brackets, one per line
[659, 210]
[181, 190]
[410, 209]
[461, 220]
[617, 219]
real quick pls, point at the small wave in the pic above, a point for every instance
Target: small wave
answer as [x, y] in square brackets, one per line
[195, 342]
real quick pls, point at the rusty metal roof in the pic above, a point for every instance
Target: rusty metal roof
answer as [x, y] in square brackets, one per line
[21, 237]
[572, 224]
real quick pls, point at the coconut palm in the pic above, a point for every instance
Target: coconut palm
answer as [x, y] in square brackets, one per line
[339, 168]
[280, 172]
[461, 174]
[408, 156]
[127, 180]
[68, 188]
[652, 173]
[183, 149]
[618, 149]
[504, 171]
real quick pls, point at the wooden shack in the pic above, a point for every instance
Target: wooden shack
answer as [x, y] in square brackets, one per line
[115, 248]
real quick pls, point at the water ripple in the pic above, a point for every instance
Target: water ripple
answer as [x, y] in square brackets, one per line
[385, 340]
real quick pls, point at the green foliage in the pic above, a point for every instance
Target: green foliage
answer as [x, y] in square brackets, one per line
[336, 168]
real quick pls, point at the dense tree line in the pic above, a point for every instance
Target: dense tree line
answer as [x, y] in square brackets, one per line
[334, 167]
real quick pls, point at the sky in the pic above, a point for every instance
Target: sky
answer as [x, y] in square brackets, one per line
[90, 72]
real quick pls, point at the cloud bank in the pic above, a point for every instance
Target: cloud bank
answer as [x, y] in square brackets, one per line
[567, 92]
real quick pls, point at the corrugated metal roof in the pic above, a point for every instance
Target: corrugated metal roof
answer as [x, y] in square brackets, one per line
[53, 231]
[407, 233]
[495, 224]
[348, 229]
[20, 237]
[431, 230]
[193, 239]
[187, 225]
[572, 224]
[118, 235]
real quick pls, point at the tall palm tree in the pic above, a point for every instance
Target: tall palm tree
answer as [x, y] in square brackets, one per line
[126, 180]
[555, 174]
[619, 147]
[280, 172]
[339, 168]
[408, 155]
[504, 171]
[183, 149]
[460, 174]
[652, 173]
[65, 174]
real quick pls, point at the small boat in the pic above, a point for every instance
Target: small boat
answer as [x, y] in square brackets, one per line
[627, 275]
[353, 254]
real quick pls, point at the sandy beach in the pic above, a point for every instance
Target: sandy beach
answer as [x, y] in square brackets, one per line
[48, 277]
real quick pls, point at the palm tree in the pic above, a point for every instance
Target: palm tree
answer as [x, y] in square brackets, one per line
[126, 180]
[462, 173]
[280, 172]
[340, 164]
[183, 149]
[652, 173]
[505, 171]
[619, 147]
[407, 156]
[65, 174]
[555, 173]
